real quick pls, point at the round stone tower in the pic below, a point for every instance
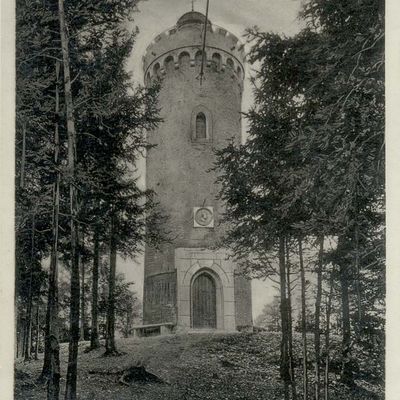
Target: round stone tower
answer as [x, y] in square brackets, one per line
[187, 281]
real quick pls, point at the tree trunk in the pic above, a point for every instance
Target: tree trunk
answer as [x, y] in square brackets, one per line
[290, 322]
[28, 318]
[327, 338]
[303, 321]
[70, 390]
[284, 363]
[28, 332]
[17, 336]
[37, 330]
[51, 367]
[346, 372]
[357, 280]
[53, 385]
[23, 336]
[23, 156]
[94, 336]
[317, 338]
[33, 332]
[83, 311]
[110, 340]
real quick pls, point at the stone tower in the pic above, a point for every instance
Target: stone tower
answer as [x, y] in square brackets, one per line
[187, 282]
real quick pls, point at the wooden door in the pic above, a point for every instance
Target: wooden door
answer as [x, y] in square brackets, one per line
[204, 313]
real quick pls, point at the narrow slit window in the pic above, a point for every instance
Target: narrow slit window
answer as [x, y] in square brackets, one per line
[201, 126]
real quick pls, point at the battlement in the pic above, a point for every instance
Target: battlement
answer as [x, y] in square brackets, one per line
[223, 50]
[217, 60]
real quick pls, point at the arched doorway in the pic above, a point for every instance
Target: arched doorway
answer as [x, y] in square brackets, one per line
[204, 310]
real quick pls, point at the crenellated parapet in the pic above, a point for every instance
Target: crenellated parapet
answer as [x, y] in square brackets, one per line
[181, 46]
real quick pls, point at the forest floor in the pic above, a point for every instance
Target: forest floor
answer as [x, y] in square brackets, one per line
[238, 366]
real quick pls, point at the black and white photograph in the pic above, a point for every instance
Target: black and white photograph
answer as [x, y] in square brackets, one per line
[199, 200]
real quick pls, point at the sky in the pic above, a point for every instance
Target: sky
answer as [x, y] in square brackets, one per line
[155, 16]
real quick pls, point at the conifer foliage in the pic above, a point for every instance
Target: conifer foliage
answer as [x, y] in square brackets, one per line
[312, 169]
[80, 130]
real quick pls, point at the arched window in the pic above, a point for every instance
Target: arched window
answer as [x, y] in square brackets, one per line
[184, 59]
[156, 70]
[229, 63]
[201, 126]
[216, 60]
[169, 64]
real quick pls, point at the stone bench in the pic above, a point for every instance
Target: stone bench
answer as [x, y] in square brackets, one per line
[153, 329]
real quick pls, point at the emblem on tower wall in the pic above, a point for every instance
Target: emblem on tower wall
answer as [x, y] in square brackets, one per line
[203, 217]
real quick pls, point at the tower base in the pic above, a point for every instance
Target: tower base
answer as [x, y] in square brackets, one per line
[208, 293]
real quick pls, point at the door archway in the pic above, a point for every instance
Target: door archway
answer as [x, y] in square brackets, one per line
[204, 304]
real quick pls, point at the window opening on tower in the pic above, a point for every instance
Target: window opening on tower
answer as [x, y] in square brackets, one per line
[184, 59]
[156, 70]
[201, 126]
[216, 59]
[169, 64]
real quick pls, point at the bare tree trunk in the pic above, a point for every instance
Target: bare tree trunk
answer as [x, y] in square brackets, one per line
[70, 390]
[28, 319]
[51, 365]
[24, 336]
[346, 372]
[317, 338]
[83, 311]
[53, 384]
[290, 323]
[110, 341]
[21, 336]
[29, 341]
[17, 336]
[284, 363]
[37, 329]
[327, 338]
[303, 321]
[357, 280]
[33, 333]
[23, 156]
[28, 331]
[94, 336]
[72, 371]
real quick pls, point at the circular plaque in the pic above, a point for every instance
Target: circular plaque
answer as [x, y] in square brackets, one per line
[203, 216]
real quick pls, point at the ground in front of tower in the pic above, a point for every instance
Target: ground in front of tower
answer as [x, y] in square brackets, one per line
[235, 366]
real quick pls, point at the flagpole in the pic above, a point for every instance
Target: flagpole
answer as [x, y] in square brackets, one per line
[203, 52]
